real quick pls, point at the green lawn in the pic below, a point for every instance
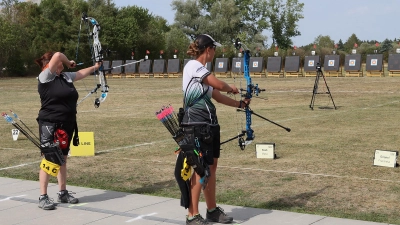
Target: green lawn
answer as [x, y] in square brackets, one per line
[324, 165]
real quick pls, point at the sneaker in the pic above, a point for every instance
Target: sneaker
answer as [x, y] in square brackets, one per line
[197, 219]
[219, 216]
[46, 203]
[66, 197]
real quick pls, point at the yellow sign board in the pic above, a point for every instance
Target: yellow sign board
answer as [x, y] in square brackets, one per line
[86, 145]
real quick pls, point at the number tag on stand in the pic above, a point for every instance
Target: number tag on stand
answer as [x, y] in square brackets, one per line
[15, 133]
[49, 167]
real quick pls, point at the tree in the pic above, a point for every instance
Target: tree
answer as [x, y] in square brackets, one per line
[340, 45]
[8, 9]
[283, 19]
[324, 41]
[223, 19]
[253, 13]
[176, 40]
[349, 44]
[10, 38]
[188, 17]
[386, 46]
[51, 27]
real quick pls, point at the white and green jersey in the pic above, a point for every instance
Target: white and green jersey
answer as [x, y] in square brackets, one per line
[197, 95]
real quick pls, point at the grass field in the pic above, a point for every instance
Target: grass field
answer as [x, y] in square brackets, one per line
[324, 165]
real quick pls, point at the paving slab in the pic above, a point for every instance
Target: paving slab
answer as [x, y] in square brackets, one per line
[19, 205]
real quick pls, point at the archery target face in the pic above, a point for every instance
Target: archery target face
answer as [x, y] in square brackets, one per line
[331, 62]
[221, 65]
[352, 62]
[255, 64]
[374, 62]
[311, 63]
[238, 64]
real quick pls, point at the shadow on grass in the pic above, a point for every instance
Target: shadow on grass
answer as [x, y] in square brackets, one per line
[329, 107]
[289, 202]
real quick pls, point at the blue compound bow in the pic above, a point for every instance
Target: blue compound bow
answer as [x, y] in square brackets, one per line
[251, 89]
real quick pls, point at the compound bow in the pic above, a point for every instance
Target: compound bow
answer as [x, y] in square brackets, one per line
[97, 56]
[251, 89]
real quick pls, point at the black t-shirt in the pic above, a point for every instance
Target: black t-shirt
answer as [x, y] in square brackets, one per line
[58, 96]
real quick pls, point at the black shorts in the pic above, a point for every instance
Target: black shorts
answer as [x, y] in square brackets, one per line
[211, 149]
[46, 131]
[216, 141]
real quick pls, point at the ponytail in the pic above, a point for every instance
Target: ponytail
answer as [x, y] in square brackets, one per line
[44, 59]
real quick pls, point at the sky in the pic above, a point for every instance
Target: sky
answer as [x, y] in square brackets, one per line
[368, 19]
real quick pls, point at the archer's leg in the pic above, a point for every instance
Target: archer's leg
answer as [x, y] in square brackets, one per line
[194, 216]
[43, 181]
[62, 176]
[64, 196]
[214, 213]
[195, 189]
[44, 201]
[210, 190]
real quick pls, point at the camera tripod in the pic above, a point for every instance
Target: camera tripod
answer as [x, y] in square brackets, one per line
[315, 90]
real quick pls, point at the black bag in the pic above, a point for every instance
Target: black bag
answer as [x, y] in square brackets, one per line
[53, 153]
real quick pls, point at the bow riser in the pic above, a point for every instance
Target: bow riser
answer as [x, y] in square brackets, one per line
[248, 95]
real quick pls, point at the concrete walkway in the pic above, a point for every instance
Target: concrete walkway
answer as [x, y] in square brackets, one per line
[19, 205]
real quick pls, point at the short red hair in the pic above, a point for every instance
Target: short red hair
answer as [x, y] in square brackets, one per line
[44, 60]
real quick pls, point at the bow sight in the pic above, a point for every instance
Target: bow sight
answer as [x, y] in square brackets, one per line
[251, 88]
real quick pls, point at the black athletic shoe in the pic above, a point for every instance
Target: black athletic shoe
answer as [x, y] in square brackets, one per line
[197, 219]
[46, 203]
[219, 216]
[66, 197]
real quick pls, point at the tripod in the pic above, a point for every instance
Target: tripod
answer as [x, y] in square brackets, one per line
[315, 90]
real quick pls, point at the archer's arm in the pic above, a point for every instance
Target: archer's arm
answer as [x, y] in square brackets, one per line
[57, 58]
[87, 71]
[219, 84]
[220, 98]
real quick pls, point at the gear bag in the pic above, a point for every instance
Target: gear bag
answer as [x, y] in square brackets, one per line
[61, 137]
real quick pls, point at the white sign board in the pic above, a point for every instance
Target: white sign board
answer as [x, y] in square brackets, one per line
[385, 158]
[15, 133]
[265, 150]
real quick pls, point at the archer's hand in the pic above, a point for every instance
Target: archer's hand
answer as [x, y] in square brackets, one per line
[234, 90]
[72, 64]
[243, 103]
[97, 65]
